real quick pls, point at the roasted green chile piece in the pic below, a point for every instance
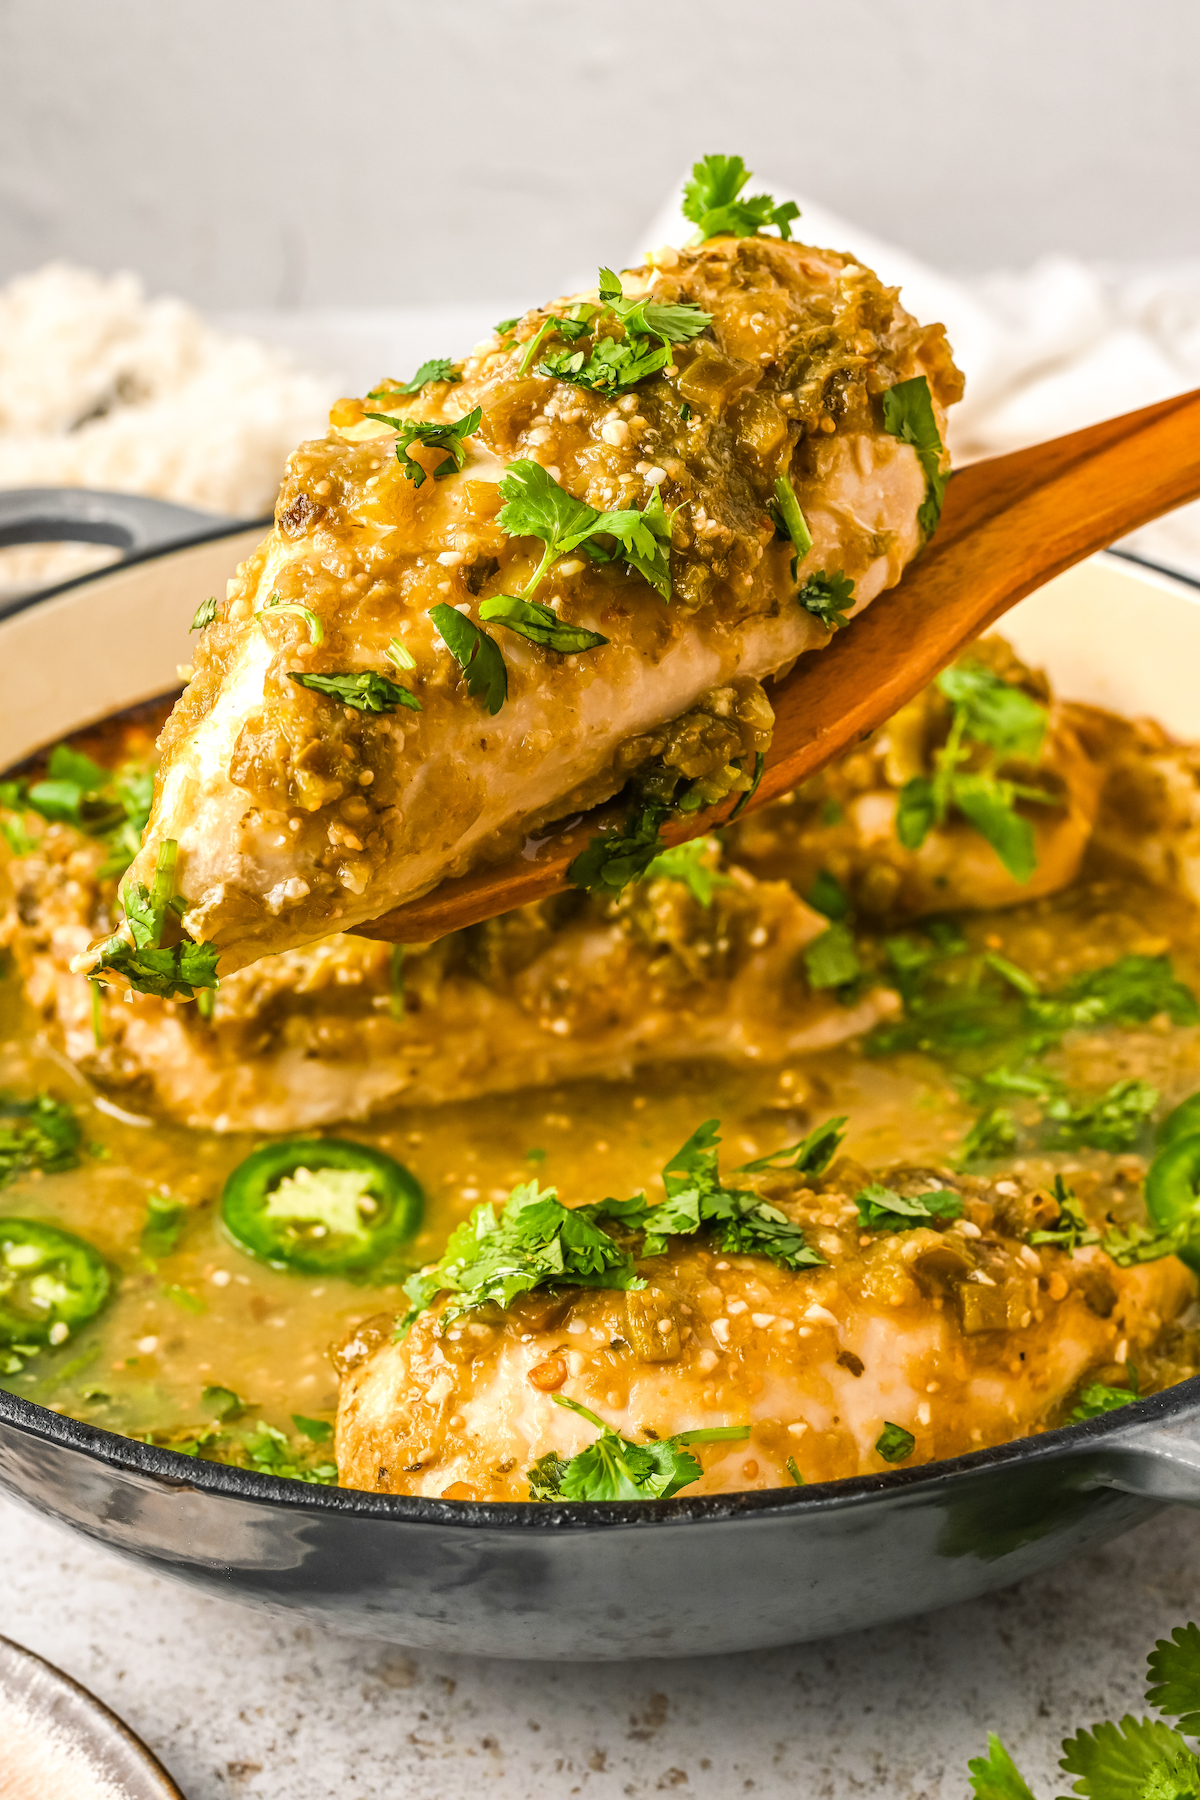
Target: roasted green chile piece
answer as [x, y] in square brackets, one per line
[321, 1206]
[1173, 1192]
[50, 1282]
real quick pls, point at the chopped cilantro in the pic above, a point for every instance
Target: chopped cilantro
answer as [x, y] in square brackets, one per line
[1132, 990]
[1071, 1228]
[612, 861]
[686, 863]
[536, 506]
[477, 655]
[438, 368]
[828, 597]
[270, 1453]
[611, 365]
[811, 1156]
[316, 630]
[908, 415]
[996, 1776]
[711, 200]
[613, 1468]
[832, 961]
[403, 659]
[222, 1403]
[993, 1134]
[794, 1472]
[112, 805]
[894, 1444]
[1131, 1244]
[319, 1430]
[171, 973]
[540, 624]
[204, 614]
[363, 689]
[165, 1219]
[42, 1133]
[675, 323]
[534, 1241]
[1113, 1121]
[1097, 1398]
[828, 896]
[431, 434]
[742, 1223]
[506, 325]
[881, 1209]
[790, 522]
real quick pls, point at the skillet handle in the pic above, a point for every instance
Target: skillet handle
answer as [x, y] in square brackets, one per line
[135, 523]
[1159, 1460]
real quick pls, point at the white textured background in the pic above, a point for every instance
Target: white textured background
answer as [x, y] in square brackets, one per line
[307, 153]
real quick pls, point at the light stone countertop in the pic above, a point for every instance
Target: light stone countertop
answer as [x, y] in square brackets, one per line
[241, 1703]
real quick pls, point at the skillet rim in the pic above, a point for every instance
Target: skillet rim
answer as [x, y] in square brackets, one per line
[171, 1469]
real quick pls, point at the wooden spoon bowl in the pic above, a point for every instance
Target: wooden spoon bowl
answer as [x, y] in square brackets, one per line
[1009, 525]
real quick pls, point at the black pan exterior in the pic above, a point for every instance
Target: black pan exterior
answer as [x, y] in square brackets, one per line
[597, 1582]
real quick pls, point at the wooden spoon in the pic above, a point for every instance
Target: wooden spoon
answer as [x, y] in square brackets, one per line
[1009, 525]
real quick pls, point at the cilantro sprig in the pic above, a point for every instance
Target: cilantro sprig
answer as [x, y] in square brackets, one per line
[431, 434]
[828, 597]
[1114, 1120]
[610, 365]
[536, 506]
[789, 521]
[614, 1468]
[438, 368]
[611, 861]
[172, 972]
[539, 624]
[686, 863]
[881, 1209]
[1004, 722]
[811, 1156]
[1137, 1759]
[908, 415]
[712, 201]
[363, 689]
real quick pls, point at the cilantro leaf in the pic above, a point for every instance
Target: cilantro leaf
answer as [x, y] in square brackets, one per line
[811, 1156]
[316, 630]
[1098, 1398]
[1139, 1759]
[832, 961]
[222, 1402]
[1132, 990]
[711, 201]
[994, 712]
[365, 690]
[165, 1219]
[987, 804]
[908, 415]
[42, 1133]
[996, 1776]
[1174, 1671]
[432, 434]
[894, 1444]
[760, 763]
[540, 624]
[612, 365]
[170, 973]
[1113, 1121]
[535, 1241]
[438, 368]
[1129, 1245]
[536, 506]
[790, 522]
[993, 1134]
[204, 614]
[1071, 1229]
[828, 597]
[319, 1430]
[685, 863]
[607, 365]
[828, 896]
[477, 655]
[612, 861]
[675, 323]
[881, 1209]
[613, 1468]
[742, 1223]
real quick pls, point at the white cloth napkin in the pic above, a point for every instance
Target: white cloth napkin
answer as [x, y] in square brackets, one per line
[1045, 350]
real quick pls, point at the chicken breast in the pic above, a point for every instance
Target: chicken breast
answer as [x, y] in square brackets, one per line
[848, 821]
[579, 987]
[300, 808]
[1149, 817]
[955, 1332]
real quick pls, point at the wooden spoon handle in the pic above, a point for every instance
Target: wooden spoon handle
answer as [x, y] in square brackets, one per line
[1009, 524]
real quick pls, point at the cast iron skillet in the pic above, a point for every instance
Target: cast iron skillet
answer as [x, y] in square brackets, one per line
[584, 1581]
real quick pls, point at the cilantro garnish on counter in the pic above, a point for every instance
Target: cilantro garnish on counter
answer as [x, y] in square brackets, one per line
[438, 368]
[431, 434]
[174, 972]
[613, 1468]
[711, 201]
[363, 689]
[1004, 722]
[535, 505]
[1138, 1759]
[908, 415]
[477, 655]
